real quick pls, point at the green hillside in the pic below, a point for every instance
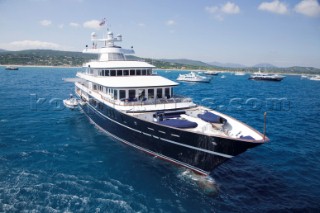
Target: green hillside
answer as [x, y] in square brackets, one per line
[76, 59]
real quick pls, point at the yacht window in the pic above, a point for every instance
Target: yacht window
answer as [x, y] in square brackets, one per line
[100, 72]
[167, 92]
[125, 72]
[122, 94]
[132, 72]
[94, 87]
[138, 72]
[116, 94]
[119, 72]
[150, 93]
[111, 93]
[142, 94]
[159, 93]
[107, 72]
[132, 94]
[149, 72]
[112, 73]
[144, 72]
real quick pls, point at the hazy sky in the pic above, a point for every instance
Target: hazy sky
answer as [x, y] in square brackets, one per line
[280, 32]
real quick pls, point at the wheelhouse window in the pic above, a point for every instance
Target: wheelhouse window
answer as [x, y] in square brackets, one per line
[112, 73]
[144, 72]
[138, 72]
[119, 72]
[149, 72]
[116, 57]
[125, 72]
[132, 72]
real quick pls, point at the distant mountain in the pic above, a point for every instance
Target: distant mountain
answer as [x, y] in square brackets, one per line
[2, 50]
[265, 65]
[229, 65]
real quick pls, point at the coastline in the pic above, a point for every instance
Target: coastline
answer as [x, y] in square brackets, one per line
[162, 69]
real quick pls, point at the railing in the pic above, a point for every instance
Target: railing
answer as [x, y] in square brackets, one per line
[135, 102]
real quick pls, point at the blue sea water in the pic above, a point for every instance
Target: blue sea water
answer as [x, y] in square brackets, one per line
[55, 160]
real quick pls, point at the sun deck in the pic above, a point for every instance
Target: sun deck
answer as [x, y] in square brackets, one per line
[224, 127]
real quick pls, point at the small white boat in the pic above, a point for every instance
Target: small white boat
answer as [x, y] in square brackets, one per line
[211, 73]
[71, 103]
[315, 78]
[239, 73]
[12, 68]
[193, 77]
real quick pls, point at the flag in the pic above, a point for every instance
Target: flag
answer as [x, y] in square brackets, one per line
[103, 22]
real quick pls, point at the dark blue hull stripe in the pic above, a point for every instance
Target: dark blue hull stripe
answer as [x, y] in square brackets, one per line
[149, 151]
[163, 139]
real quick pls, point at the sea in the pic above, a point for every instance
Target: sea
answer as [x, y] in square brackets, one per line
[53, 159]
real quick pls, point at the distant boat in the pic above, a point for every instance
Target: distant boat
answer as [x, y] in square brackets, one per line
[315, 78]
[211, 73]
[266, 77]
[193, 77]
[223, 76]
[239, 73]
[12, 68]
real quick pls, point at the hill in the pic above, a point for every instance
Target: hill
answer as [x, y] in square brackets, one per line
[67, 58]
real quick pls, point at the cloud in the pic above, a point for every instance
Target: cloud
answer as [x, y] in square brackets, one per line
[171, 23]
[274, 7]
[141, 24]
[29, 44]
[45, 22]
[308, 7]
[230, 8]
[92, 24]
[227, 9]
[73, 24]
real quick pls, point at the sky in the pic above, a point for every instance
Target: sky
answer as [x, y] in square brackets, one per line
[280, 32]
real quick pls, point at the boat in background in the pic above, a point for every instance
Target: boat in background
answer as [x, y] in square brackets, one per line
[211, 73]
[259, 76]
[315, 78]
[12, 68]
[193, 77]
[239, 73]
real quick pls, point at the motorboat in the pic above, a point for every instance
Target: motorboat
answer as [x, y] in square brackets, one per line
[12, 68]
[193, 77]
[211, 73]
[71, 103]
[259, 76]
